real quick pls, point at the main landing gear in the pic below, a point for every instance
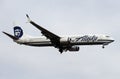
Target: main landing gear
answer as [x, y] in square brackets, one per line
[61, 51]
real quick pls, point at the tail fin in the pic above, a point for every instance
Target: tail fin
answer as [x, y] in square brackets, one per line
[18, 32]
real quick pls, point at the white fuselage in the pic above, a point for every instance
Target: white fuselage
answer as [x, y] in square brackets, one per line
[61, 43]
[75, 40]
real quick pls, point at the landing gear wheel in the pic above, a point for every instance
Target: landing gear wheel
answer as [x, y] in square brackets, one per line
[61, 51]
[103, 46]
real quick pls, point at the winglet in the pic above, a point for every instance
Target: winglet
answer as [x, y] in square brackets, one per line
[29, 20]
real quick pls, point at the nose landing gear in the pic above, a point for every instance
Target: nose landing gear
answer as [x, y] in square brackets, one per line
[103, 46]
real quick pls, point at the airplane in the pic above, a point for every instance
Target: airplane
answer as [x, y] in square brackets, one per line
[63, 44]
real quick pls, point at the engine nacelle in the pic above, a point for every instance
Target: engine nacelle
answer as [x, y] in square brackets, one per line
[74, 48]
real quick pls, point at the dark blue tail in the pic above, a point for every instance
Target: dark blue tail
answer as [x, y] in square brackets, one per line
[18, 32]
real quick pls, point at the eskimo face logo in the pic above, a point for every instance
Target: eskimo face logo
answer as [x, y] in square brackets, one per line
[18, 32]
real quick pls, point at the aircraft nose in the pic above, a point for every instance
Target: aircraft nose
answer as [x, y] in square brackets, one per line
[112, 40]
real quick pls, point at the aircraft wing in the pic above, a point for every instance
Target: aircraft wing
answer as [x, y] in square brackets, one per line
[55, 39]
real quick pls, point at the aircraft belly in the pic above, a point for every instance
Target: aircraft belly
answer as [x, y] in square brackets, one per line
[46, 43]
[88, 43]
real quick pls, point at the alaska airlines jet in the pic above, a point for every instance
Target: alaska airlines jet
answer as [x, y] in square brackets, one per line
[62, 43]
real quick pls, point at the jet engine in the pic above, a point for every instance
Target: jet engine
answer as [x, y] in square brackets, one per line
[74, 48]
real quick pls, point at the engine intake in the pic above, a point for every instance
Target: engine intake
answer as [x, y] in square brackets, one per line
[74, 48]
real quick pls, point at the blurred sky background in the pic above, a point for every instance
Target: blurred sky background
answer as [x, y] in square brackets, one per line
[62, 17]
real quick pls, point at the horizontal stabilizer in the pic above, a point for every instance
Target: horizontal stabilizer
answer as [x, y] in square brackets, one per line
[11, 36]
